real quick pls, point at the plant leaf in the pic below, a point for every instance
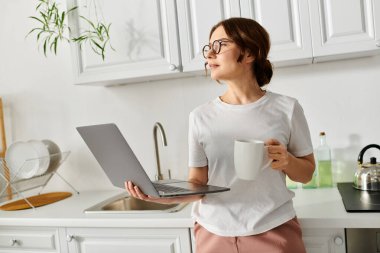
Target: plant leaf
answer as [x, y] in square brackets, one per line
[45, 43]
[39, 34]
[90, 22]
[55, 45]
[72, 9]
[31, 31]
[97, 44]
[62, 18]
[39, 20]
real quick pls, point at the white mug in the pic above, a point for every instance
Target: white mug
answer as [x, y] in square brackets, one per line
[250, 158]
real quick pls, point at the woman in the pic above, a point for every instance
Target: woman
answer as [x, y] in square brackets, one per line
[254, 216]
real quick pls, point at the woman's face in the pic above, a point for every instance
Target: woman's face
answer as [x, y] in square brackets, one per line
[224, 65]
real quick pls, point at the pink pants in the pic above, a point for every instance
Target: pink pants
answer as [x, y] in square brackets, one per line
[286, 238]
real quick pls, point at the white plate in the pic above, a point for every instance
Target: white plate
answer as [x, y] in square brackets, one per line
[18, 156]
[55, 154]
[43, 156]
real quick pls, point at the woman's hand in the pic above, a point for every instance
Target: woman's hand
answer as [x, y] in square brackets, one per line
[135, 192]
[197, 175]
[298, 169]
[278, 153]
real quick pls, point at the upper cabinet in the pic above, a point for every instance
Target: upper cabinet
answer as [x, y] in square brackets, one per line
[318, 30]
[195, 19]
[344, 28]
[164, 38]
[287, 23]
[144, 34]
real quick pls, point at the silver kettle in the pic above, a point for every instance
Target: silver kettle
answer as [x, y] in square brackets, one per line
[367, 175]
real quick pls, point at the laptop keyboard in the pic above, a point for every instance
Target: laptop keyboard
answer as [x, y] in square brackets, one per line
[168, 188]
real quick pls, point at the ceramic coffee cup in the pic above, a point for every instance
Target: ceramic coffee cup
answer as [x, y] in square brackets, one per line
[250, 158]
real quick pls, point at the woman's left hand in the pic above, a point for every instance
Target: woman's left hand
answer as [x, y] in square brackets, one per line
[278, 153]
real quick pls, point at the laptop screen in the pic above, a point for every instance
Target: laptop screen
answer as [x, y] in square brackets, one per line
[115, 156]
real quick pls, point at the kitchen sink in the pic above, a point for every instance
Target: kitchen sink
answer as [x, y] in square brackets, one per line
[127, 204]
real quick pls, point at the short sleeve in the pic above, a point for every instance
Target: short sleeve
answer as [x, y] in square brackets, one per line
[197, 156]
[300, 142]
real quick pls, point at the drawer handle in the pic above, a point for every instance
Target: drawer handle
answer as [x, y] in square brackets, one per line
[172, 67]
[14, 242]
[69, 238]
[338, 240]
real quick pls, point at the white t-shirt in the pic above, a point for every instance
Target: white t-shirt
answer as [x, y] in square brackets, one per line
[250, 207]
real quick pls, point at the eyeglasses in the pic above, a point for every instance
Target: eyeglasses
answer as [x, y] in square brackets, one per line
[215, 47]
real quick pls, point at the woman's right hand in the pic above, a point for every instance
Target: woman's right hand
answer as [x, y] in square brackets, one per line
[135, 192]
[197, 175]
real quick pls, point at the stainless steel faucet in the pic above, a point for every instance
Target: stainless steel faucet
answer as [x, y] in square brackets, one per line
[158, 126]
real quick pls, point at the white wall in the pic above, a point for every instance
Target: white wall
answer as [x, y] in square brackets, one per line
[339, 97]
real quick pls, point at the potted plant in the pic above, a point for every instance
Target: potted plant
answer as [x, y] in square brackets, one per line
[53, 29]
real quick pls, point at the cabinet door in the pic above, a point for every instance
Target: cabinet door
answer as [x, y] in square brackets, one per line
[143, 34]
[195, 19]
[139, 240]
[287, 23]
[29, 239]
[324, 240]
[344, 28]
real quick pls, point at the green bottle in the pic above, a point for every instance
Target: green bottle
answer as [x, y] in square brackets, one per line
[324, 163]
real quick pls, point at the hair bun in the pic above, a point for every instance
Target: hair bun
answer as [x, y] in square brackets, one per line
[264, 72]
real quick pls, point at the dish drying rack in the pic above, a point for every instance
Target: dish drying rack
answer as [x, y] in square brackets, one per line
[11, 184]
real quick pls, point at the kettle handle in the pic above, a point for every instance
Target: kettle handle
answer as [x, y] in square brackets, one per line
[361, 154]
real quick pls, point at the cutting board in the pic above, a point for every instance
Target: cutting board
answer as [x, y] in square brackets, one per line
[37, 200]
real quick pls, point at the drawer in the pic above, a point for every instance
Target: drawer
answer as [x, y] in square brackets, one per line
[33, 239]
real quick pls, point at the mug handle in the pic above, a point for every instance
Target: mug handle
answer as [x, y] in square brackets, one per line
[269, 160]
[267, 164]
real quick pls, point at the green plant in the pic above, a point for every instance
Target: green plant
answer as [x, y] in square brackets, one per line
[53, 28]
[97, 35]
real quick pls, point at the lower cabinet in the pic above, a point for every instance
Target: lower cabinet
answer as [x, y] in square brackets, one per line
[141, 240]
[316, 240]
[324, 240]
[114, 240]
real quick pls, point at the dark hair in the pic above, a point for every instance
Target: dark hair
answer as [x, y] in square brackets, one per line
[252, 37]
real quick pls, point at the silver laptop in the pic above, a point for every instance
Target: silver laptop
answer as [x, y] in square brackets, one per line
[118, 161]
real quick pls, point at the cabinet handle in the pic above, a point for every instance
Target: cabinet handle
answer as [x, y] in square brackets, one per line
[172, 67]
[338, 240]
[69, 238]
[14, 242]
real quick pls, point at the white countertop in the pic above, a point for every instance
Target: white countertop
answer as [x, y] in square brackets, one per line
[70, 213]
[315, 208]
[323, 208]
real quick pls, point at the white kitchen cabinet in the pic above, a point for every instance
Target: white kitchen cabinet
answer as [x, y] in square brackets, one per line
[164, 38]
[29, 239]
[114, 240]
[195, 20]
[316, 240]
[287, 22]
[324, 240]
[344, 28]
[144, 34]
